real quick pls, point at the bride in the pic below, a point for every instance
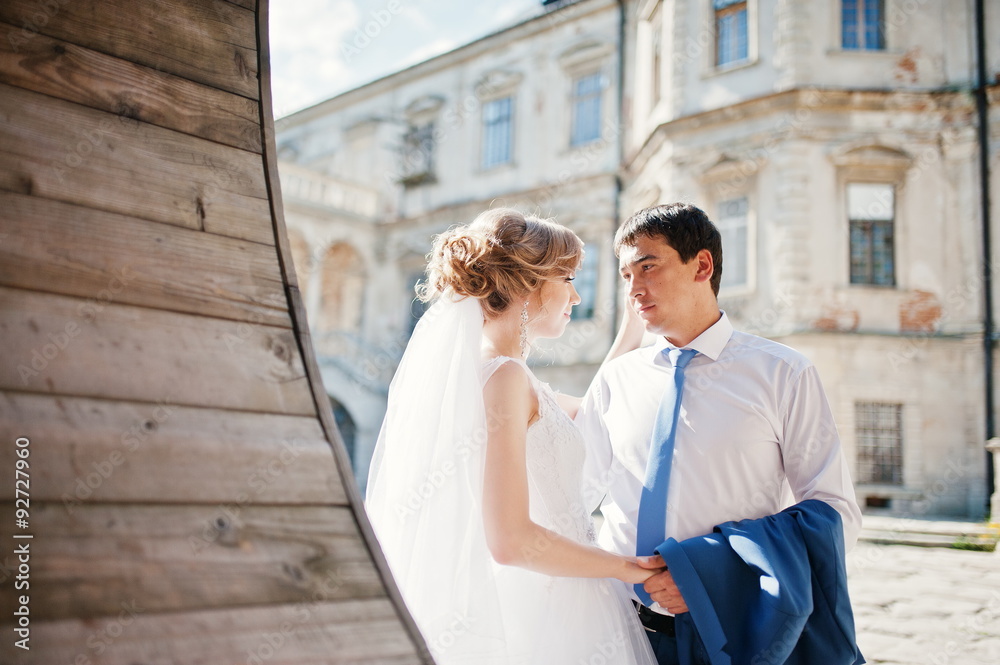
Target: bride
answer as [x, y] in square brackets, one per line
[475, 490]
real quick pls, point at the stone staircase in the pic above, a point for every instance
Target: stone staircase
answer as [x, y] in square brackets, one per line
[887, 530]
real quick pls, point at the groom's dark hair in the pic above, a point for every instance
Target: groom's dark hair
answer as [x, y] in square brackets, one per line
[683, 226]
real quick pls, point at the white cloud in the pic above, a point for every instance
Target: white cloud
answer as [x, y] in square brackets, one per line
[306, 60]
[320, 48]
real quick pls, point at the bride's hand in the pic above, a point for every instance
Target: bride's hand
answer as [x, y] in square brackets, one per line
[630, 332]
[640, 569]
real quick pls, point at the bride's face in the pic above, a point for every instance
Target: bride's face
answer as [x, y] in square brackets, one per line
[556, 299]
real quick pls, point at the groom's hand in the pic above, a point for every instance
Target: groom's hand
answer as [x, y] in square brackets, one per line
[662, 589]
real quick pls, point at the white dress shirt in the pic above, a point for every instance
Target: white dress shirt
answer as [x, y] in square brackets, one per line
[755, 435]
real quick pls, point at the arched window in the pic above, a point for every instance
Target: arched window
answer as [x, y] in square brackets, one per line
[343, 289]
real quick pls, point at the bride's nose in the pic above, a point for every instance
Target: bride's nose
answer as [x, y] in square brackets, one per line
[574, 296]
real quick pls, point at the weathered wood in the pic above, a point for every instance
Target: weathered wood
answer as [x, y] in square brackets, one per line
[89, 450]
[208, 41]
[77, 74]
[87, 559]
[70, 346]
[171, 522]
[61, 248]
[56, 149]
[245, 4]
[347, 633]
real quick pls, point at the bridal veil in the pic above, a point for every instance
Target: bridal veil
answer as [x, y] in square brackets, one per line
[425, 492]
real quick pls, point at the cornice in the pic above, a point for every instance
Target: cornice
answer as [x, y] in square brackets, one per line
[815, 99]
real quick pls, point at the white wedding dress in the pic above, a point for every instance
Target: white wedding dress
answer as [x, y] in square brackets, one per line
[571, 620]
[424, 500]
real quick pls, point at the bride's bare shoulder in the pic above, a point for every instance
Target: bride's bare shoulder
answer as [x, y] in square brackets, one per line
[509, 389]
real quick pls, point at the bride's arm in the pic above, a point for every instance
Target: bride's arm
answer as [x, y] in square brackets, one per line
[629, 337]
[513, 538]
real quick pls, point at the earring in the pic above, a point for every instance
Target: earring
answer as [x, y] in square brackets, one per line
[524, 328]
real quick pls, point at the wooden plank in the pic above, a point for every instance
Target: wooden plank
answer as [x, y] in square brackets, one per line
[88, 450]
[362, 632]
[61, 345]
[77, 74]
[208, 41]
[87, 560]
[245, 4]
[59, 150]
[61, 248]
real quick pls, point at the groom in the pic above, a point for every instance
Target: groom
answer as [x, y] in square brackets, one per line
[717, 450]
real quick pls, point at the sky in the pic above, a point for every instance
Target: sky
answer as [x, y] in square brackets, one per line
[320, 48]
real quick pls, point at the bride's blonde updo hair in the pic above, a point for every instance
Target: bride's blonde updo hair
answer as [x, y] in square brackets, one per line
[500, 258]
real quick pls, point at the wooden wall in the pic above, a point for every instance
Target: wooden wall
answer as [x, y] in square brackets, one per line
[190, 501]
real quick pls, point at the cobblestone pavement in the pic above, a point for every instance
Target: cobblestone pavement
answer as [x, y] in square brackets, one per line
[917, 606]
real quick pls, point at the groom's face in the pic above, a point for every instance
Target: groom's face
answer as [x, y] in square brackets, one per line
[662, 288]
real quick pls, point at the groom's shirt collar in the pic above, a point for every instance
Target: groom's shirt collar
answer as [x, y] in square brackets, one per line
[710, 343]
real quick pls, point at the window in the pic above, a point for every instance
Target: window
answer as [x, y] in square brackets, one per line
[879, 430]
[587, 109]
[870, 212]
[586, 285]
[731, 37]
[656, 22]
[733, 226]
[418, 155]
[862, 25]
[497, 131]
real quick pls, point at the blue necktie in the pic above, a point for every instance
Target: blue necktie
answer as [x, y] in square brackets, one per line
[653, 503]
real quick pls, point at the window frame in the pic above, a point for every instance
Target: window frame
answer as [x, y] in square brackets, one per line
[485, 130]
[733, 8]
[730, 179]
[748, 258]
[897, 456]
[868, 227]
[591, 261]
[865, 162]
[593, 97]
[862, 27]
[495, 86]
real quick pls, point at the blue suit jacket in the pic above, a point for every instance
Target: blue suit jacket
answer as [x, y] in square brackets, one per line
[768, 591]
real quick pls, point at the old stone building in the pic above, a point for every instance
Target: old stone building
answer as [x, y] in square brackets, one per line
[526, 117]
[834, 142]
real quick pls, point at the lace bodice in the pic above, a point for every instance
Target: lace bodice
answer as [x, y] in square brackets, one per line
[555, 455]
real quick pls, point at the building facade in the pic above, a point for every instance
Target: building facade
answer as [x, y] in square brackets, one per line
[833, 142]
[527, 117]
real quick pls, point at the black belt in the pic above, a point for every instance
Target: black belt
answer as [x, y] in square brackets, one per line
[654, 621]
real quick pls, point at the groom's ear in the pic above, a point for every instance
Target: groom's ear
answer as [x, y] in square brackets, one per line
[705, 266]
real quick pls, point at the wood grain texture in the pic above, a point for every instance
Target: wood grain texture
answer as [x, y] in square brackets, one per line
[77, 74]
[70, 346]
[207, 41]
[91, 450]
[55, 149]
[62, 248]
[88, 559]
[245, 4]
[348, 633]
